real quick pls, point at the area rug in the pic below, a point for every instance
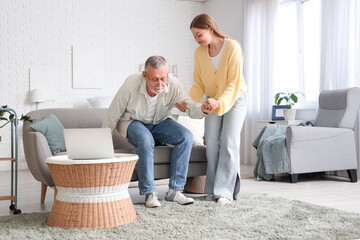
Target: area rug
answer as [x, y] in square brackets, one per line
[252, 216]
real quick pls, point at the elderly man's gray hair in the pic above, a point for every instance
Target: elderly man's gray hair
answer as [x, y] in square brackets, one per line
[155, 62]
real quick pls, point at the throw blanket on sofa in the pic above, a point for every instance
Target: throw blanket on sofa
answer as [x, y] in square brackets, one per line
[271, 151]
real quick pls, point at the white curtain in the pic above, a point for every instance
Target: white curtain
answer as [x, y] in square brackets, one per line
[357, 44]
[357, 77]
[259, 41]
[340, 48]
[337, 44]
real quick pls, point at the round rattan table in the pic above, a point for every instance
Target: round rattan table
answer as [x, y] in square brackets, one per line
[92, 193]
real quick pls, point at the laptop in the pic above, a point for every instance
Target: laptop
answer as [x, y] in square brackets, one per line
[89, 143]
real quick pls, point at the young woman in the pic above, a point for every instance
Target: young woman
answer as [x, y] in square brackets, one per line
[219, 75]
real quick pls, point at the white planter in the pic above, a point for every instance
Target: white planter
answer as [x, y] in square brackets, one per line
[289, 114]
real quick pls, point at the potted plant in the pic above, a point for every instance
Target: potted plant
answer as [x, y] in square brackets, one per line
[291, 99]
[5, 119]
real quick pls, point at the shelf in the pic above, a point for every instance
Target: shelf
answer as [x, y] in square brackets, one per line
[13, 160]
[7, 159]
[12, 198]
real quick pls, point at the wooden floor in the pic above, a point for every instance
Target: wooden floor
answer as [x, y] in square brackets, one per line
[323, 190]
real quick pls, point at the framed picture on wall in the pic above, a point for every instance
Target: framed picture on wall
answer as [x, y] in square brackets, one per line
[277, 112]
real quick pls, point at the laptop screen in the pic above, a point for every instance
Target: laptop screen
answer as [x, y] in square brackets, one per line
[89, 143]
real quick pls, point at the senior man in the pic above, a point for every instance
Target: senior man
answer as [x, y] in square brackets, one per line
[143, 107]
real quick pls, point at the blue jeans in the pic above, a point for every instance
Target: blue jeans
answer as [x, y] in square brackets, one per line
[143, 136]
[222, 137]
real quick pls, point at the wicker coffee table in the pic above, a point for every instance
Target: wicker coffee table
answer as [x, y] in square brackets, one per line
[92, 193]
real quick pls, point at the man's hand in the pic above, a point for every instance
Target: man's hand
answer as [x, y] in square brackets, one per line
[182, 106]
[207, 107]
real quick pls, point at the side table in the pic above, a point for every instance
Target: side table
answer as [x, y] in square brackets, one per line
[262, 123]
[92, 193]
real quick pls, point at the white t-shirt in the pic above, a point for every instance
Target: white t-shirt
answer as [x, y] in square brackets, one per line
[215, 60]
[151, 108]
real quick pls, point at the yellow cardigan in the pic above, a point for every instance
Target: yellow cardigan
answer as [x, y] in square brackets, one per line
[227, 83]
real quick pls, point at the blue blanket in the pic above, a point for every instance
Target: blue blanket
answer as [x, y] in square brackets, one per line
[271, 152]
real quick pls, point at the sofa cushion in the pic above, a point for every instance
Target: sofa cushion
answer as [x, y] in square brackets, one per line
[52, 129]
[162, 154]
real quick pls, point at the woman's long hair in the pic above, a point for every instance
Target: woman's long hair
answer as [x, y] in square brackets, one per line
[205, 21]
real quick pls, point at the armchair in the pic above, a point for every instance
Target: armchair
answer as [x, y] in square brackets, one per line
[330, 146]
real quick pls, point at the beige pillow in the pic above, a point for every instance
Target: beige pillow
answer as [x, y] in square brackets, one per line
[100, 101]
[196, 127]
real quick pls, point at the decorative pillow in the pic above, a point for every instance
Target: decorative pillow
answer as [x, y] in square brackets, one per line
[52, 129]
[100, 101]
[196, 127]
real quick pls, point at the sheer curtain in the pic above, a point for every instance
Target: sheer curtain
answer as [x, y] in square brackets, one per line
[340, 48]
[357, 77]
[337, 44]
[259, 35]
[357, 45]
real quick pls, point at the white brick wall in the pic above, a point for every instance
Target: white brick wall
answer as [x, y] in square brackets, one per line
[40, 33]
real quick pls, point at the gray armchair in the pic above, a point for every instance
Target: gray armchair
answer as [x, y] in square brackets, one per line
[330, 146]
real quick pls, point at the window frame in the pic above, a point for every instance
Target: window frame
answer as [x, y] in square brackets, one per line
[300, 50]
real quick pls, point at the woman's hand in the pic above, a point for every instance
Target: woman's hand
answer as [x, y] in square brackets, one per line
[182, 106]
[206, 108]
[209, 105]
[212, 104]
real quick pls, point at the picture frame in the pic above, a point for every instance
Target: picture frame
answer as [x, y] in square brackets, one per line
[277, 112]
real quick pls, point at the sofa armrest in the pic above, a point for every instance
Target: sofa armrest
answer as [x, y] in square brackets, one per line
[36, 150]
[313, 149]
[302, 133]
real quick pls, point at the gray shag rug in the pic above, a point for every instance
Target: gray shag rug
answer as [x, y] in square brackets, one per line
[252, 216]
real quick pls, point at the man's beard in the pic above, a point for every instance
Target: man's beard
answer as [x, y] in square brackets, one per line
[157, 90]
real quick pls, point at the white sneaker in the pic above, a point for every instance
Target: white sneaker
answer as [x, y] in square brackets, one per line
[178, 196]
[209, 198]
[151, 200]
[223, 201]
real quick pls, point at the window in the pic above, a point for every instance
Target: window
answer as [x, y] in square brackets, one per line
[297, 66]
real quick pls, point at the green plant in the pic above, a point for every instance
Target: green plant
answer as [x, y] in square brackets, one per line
[11, 117]
[290, 98]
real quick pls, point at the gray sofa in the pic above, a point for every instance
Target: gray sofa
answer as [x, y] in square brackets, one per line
[37, 149]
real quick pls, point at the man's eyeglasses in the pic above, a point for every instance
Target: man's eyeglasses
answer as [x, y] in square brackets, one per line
[155, 80]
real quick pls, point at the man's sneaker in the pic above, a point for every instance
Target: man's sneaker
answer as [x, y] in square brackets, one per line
[178, 196]
[223, 201]
[209, 198]
[151, 200]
